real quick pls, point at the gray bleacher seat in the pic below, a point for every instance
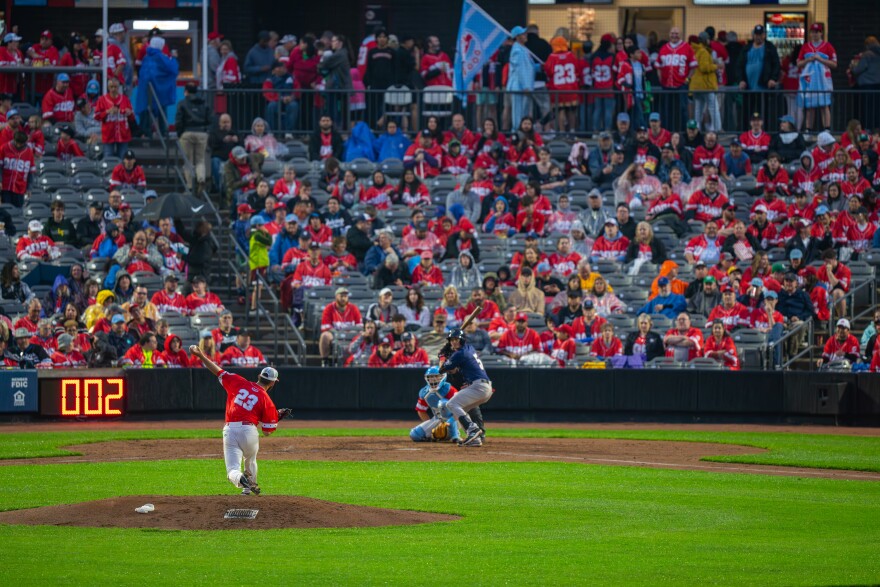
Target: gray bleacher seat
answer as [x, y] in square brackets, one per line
[26, 110]
[704, 363]
[393, 168]
[36, 211]
[580, 182]
[105, 166]
[53, 180]
[661, 323]
[663, 363]
[201, 321]
[296, 149]
[301, 165]
[82, 164]
[621, 321]
[68, 196]
[698, 321]
[361, 167]
[51, 165]
[97, 195]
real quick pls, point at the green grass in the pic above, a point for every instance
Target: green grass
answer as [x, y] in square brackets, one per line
[523, 524]
[861, 453]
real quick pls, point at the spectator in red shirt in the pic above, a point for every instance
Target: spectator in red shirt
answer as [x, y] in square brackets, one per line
[383, 355]
[607, 345]
[128, 174]
[337, 315]
[720, 347]
[67, 357]
[201, 301]
[423, 157]
[411, 355]
[17, 162]
[59, 101]
[426, 273]
[842, 345]
[519, 340]
[242, 353]
[683, 342]
[563, 347]
[145, 354]
[836, 276]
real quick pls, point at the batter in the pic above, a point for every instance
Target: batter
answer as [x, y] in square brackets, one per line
[477, 390]
[248, 405]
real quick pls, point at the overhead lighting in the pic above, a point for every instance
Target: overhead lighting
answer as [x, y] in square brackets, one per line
[163, 25]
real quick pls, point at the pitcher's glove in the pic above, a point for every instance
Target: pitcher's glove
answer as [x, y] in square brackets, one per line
[440, 431]
[283, 413]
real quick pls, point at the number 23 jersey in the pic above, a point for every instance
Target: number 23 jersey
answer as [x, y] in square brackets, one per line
[248, 402]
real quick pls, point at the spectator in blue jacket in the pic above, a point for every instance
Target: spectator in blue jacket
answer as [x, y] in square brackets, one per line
[392, 144]
[375, 257]
[668, 162]
[665, 302]
[160, 71]
[241, 227]
[284, 241]
[282, 108]
[258, 61]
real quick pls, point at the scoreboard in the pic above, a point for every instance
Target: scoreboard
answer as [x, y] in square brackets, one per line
[83, 396]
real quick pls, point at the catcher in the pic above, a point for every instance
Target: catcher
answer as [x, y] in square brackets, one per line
[248, 406]
[432, 399]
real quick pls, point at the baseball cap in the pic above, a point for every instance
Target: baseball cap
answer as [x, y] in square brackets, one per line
[64, 340]
[258, 221]
[288, 39]
[565, 328]
[245, 209]
[421, 225]
[46, 34]
[736, 143]
[863, 137]
[618, 149]
[611, 221]
[289, 218]
[726, 257]
[205, 333]
[384, 290]
[35, 226]
[642, 128]
[21, 333]
[214, 36]
[521, 316]
[777, 268]
[825, 138]
[589, 305]
[150, 194]
[517, 30]
[692, 123]
[700, 263]
[756, 116]
[712, 178]
[532, 235]
[427, 255]
[771, 294]
[269, 374]
[425, 133]
[816, 27]
[314, 246]
[10, 37]
[117, 319]
[172, 277]
[663, 281]
[305, 235]
[117, 27]
[11, 112]
[623, 117]
[510, 170]
[654, 116]
[796, 254]
[129, 155]
[666, 147]
[279, 206]
[727, 289]
[594, 193]
[761, 208]
[499, 178]
[758, 30]
[239, 152]
[342, 290]
[789, 277]
[821, 210]
[708, 279]
[386, 340]
[843, 322]
[787, 118]
[62, 77]
[407, 336]
[125, 206]
[604, 135]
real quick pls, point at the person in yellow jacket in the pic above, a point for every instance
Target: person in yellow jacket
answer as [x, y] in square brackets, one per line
[95, 312]
[704, 83]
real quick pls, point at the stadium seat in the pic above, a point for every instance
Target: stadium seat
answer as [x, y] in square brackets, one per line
[51, 164]
[704, 363]
[361, 167]
[53, 180]
[437, 101]
[398, 98]
[393, 168]
[663, 363]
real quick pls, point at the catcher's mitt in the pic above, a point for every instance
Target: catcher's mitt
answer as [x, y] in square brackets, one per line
[440, 431]
[283, 413]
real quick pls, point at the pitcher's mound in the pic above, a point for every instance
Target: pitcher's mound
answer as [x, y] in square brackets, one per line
[205, 512]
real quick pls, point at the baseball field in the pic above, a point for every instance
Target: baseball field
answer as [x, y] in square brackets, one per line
[348, 503]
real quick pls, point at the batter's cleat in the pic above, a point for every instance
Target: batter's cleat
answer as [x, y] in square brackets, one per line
[475, 441]
[473, 431]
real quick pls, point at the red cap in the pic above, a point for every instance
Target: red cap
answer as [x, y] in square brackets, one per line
[214, 36]
[245, 209]
[726, 289]
[280, 206]
[125, 206]
[465, 224]
[387, 340]
[566, 329]
[770, 187]
[609, 37]
[510, 170]
[816, 27]
[521, 316]
[712, 178]
[47, 33]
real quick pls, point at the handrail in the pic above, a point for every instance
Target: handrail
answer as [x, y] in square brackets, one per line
[850, 299]
[771, 347]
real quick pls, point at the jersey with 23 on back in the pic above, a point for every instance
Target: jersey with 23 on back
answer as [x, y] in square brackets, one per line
[248, 402]
[468, 362]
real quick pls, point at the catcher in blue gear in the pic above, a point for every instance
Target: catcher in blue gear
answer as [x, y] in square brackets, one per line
[438, 423]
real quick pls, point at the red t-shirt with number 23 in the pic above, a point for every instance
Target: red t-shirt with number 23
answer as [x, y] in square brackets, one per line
[248, 402]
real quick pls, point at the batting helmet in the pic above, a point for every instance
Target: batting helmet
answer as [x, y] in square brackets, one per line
[455, 333]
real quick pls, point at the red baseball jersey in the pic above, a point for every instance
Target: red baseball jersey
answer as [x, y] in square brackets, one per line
[603, 351]
[122, 177]
[175, 302]
[9, 81]
[309, 275]
[699, 244]
[562, 77]
[707, 208]
[248, 402]
[704, 155]
[17, 166]
[334, 319]
[378, 197]
[695, 335]
[115, 128]
[753, 143]
[674, 63]
[235, 357]
[608, 249]
[115, 58]
[436, 62]
[564, 265]
[758, 318]
[433, 276]
[834, 349]
[29, 248]
[726, 345]
[584, 332]
[511, 342]
[210, 304]
[58, 107]
[418, 358]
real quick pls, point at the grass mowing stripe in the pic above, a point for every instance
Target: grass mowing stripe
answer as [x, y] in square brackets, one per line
[860, 453]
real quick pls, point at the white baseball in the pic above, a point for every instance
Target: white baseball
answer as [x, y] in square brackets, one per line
[193, 348]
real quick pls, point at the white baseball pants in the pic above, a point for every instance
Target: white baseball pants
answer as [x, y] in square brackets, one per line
[467, 398]
[240, 441]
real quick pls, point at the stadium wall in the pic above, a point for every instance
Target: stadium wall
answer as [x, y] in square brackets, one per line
[523, 393]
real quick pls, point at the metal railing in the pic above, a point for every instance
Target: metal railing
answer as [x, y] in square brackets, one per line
[410, 108]
[780, 344]
[869, 286]
[28, 76]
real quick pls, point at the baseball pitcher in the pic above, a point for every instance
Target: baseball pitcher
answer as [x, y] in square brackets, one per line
[248, 406]
[432, 402]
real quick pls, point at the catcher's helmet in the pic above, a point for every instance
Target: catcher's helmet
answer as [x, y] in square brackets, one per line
[455, 333]
[434, 378]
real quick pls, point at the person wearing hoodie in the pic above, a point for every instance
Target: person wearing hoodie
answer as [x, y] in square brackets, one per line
[392, 144]
[463, 239]
[467, 201]
[192, 123]
[160, 71]
[669, 270]
[527, 297]
[174, 354]
[93, 313]
[466, 275]
[107, 244]
[788, 143]
[500, 220]
[263, 142]
[57, 299]
[665, 302]
[492, 289]
[805, 176]
[284, 241]
[359, 144]
[139, 255]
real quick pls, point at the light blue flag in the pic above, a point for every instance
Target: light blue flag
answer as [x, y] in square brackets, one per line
[479, 36]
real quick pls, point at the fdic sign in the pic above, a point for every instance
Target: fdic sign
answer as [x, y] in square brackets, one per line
[18, 391]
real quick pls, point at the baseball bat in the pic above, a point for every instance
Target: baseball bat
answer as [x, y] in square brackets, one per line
[471, 316]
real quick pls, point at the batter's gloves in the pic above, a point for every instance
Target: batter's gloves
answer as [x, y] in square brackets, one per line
[283, 413]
